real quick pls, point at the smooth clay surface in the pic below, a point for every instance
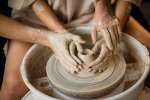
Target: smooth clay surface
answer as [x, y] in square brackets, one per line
[84, 83]
[92, 86]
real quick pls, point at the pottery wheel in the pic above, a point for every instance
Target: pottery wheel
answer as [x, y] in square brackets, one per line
[86, 87]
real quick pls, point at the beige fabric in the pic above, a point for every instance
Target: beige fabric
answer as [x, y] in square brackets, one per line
[71, 12]
[19, 4]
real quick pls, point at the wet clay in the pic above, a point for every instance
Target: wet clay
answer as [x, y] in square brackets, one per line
[41, 55]
[88, 56]
[86, 84]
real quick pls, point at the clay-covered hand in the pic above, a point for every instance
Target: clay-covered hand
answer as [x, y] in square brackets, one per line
[106, 25]
[74, 49]
[60, 44]
[109, 30]
[103, 54]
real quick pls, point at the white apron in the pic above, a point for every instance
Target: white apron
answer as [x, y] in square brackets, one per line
[70, 12]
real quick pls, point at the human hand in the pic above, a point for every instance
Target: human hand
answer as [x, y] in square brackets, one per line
[108, 30]
[103, 54]
[106, 25]
[64, 45]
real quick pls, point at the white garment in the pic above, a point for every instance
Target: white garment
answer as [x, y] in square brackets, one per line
[72, 12]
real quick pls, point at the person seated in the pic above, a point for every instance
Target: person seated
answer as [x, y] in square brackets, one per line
[46, 22]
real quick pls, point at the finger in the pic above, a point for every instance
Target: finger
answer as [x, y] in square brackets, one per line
[90, 70]
[118, 28]
[119, 31]
[71, 68]
[72, 48]
[79, 47]
[68, 59]
[94, 34]
[113, 36]
[65, 64]
[101, 65]
[101, 56]
[79, 67]
[67, 56]
[108, 39]
[94, 69]
[102, 69]
[97, 46]
[113, 1]
[78, 39]
[116, 34]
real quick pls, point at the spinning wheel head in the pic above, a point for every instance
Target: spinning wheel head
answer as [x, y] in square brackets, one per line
[86, 87]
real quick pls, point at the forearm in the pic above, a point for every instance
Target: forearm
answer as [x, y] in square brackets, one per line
[12, 29]
[122, 11]
[47, 16]
[103, 8]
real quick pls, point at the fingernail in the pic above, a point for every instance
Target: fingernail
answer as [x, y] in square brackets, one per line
[79, 62]
[75, 72]
[80, 66]
[90, 70]
[93, 71]
[101, 70]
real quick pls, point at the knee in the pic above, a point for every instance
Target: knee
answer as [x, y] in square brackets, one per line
[14, 86]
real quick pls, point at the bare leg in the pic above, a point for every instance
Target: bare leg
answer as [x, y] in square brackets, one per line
[13, 87]
[138, 31]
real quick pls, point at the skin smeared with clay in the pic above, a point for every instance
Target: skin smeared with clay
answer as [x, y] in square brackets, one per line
[60, 45]
[103, 55]
[106, 25]
[36, 36]
[73, 47]
[105, 34]
[89, 57]
[99, 78]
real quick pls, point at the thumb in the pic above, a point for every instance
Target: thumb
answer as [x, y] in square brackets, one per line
[94, 34]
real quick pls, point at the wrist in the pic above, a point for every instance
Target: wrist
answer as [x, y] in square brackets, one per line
[103, 20]
[113, 22]
[59, 28]
[102, 4]
[41, 37]
[103, 9]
